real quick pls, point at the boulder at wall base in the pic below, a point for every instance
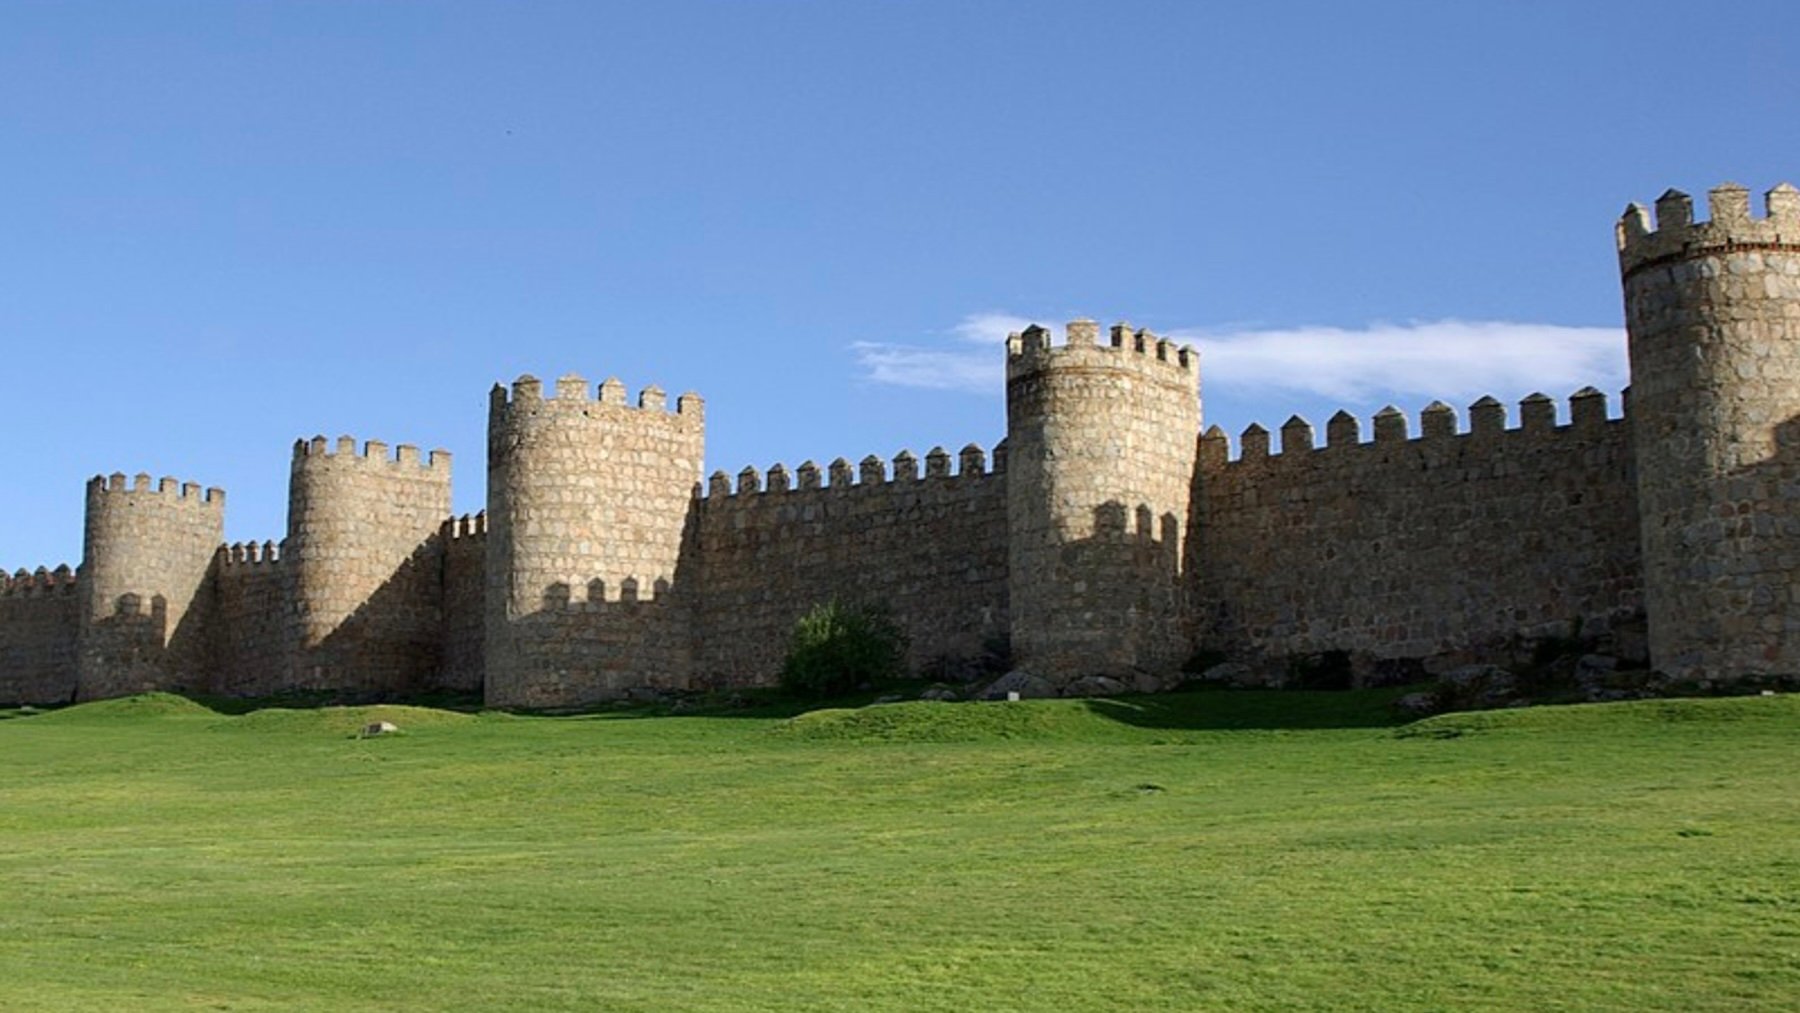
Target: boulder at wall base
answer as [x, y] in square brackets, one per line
[1019, 681]
[1095, 685]
[1149, 682]
[1416, 705]
[1230, 673]
[1476, 686]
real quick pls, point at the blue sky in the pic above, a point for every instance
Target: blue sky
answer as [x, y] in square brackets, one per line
[224, 226]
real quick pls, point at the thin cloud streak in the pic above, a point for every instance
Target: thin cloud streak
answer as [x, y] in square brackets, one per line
[1438, 358]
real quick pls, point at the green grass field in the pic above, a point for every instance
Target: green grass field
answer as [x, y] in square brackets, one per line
[1210, 850]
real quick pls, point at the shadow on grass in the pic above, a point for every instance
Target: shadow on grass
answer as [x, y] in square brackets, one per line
[1254, 709]
[1194, 710]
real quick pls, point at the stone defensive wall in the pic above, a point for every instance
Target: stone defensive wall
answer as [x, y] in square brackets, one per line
[464, 543]
[1108, 535]
[39, 613]
[1443, 544]
[930, 546]
[253, 655]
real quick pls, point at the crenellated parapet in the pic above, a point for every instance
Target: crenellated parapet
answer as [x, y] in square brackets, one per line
[1032, 350]
[166, 490]
[1732, 226]
[249, 555]
[872, 472]
[572, 393]
[372, 454]
[465, 527]
[1438, 424]
[40, 583]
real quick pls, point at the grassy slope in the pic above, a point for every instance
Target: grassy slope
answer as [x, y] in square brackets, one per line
[1171, 853]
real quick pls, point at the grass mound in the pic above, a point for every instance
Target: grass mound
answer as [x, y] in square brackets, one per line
[1611, 718]
[133, 708]
[342, 720]
[1212, 850]
[938, 721]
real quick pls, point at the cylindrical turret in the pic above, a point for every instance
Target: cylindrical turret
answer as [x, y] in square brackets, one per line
[588, 520]
[1713, 310]
[146, 555]
[1101, 455]
[363, 549]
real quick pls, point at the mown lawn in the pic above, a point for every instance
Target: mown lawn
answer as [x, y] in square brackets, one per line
[1215, 850]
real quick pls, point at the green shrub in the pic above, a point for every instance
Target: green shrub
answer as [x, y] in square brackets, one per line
[834, 648]
[1330, 670]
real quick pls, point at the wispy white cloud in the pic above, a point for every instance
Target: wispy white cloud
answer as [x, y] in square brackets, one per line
[990, 329]
[1457, 359]
[933, 368]
[1433, 358]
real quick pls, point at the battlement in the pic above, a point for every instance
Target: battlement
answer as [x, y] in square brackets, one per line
[466, 526]
[166, 489]
[39, 583]
[1031, 350]
[248, 554]
[1677, 235]
[594, 595]
[1437, 422]
[871, 471]
[373, 452]
[573, 391]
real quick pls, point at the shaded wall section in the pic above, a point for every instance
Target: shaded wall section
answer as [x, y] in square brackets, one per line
[930, 547]
[252, 643]
[465, 584]
[39, 614]
[1418, 547]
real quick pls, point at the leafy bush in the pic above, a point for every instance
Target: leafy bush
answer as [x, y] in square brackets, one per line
[1330, 670]
[834, 648]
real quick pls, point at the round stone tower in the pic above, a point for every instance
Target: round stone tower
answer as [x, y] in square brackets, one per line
[147, 553]
[1100, 439]
[1713, 312]
[363, 550]
[588, 521]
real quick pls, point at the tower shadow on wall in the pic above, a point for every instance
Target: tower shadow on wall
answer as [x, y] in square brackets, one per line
[140, 651]
[1761, 526]
[1121, 593]
[390, 647]
[598, 641]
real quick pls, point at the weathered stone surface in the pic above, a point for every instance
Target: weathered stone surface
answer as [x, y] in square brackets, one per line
[1230, 673]
[1026, 684]
[940, 693]
[1416, 705]
[1095, 685]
